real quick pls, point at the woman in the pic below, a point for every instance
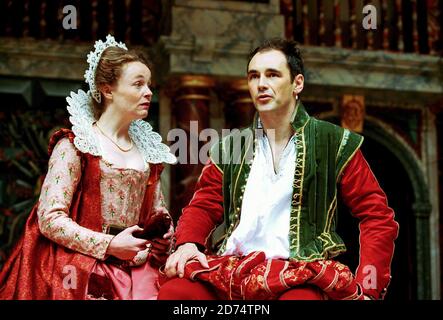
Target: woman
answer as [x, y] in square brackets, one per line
[103, 183]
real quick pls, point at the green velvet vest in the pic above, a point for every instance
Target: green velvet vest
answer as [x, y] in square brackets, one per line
[323, 150]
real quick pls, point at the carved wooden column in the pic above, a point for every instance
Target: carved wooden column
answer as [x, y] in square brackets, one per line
[190, 105]
[353, 113]
[239, 109]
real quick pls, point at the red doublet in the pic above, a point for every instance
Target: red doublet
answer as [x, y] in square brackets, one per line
[360, 192]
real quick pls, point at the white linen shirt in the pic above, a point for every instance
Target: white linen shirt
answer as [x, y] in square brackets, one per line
[265, 212]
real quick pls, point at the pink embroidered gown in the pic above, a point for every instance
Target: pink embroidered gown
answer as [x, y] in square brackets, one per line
[122, 192]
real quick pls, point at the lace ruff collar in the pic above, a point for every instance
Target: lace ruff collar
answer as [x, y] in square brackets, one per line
[82, 118]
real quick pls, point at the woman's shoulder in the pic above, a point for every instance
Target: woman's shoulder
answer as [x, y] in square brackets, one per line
[62, 137]
[65, 150]
[65, 156]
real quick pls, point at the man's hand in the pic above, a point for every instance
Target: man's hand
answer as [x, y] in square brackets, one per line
[175, 265]
[124, 246]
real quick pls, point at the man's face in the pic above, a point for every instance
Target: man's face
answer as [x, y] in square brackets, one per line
[269, 82]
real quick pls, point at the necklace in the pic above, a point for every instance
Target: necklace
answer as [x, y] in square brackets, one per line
[115, 143]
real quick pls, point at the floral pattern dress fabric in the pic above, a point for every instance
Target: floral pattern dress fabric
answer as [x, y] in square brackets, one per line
[122, 192]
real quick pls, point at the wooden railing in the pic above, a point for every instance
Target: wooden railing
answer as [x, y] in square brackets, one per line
[134, 21]
[402, 25]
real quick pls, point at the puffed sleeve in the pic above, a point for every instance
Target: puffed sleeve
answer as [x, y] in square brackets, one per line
[64, 172]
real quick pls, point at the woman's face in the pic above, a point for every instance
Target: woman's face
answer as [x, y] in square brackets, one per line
[131, 94]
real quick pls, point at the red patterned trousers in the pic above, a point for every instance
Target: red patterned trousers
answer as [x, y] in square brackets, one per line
[254, 277]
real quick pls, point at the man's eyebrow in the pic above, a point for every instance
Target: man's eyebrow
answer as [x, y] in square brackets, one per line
[273, 70]
[267, 70]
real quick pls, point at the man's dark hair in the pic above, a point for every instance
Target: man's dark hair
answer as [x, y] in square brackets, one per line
[289, 48]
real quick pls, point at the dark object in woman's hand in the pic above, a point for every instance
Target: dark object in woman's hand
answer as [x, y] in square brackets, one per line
[155, 227]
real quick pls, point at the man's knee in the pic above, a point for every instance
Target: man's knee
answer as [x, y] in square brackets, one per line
[184, 289]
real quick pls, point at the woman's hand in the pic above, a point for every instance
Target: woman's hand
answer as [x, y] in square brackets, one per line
[160, 247]
[124, 246]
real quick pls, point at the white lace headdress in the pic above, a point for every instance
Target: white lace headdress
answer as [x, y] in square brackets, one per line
[94, 59]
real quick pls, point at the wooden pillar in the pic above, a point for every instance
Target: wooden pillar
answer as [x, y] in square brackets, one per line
[313, 18]
[328, 27]
[360, 39]
[190, 105]
[344, 38]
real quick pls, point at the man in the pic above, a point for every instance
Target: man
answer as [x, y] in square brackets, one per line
[278, 203]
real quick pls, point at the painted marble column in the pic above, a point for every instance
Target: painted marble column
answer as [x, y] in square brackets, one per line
[239, 109]
[422, 213]
[431, 157]
[190, 107]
